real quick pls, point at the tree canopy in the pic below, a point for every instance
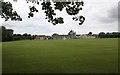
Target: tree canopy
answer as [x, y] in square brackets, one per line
[48, 6]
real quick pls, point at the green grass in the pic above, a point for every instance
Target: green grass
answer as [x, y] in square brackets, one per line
[61, 56]
[0, 57]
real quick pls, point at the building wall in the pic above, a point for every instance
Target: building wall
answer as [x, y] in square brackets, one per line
[39, 38]
[85, 36]
[59, 37]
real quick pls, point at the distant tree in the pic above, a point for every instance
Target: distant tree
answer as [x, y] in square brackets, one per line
[17, 37]
[101, 34]
[23, 37]
[33, 37]
[116, 34]
[2, 28]
[90, 33]
[8, 13]
[25, 34]
[7, 34]
[72, 8]
[109, 35]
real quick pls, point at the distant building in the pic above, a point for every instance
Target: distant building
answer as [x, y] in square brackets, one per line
[88, 36]
[70, 35]
[59, 37]
[78, 36]
[40, 37]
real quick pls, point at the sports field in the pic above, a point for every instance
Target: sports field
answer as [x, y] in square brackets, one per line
[61, 56]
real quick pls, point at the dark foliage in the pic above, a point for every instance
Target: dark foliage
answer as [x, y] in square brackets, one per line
[8, 13]
[23, 37]
[109, 35]
[72, 8]
[7, 35]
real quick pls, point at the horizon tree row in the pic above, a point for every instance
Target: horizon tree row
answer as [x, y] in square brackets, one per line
[23, 37]
[7, 35]
[109, 35]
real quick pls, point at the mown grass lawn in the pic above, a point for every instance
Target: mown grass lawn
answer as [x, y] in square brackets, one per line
[61, 56]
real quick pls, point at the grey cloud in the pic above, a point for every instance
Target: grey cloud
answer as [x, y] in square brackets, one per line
[8, 25]
[119, 10]
[114, 13]
[111, 16]
[119, 16]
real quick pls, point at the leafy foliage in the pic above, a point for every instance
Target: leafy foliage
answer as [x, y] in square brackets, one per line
[50, 13]
[72, 8]
[8, 13]
[109, 35]
[6, 34]
[23, 37]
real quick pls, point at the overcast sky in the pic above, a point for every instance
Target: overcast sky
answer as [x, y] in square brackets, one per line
[101, 16]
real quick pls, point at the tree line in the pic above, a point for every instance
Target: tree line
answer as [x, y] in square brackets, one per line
[109, 35]
[23, 37]
[7, 35]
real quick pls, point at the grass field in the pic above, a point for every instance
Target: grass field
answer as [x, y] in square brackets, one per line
[61, 56]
